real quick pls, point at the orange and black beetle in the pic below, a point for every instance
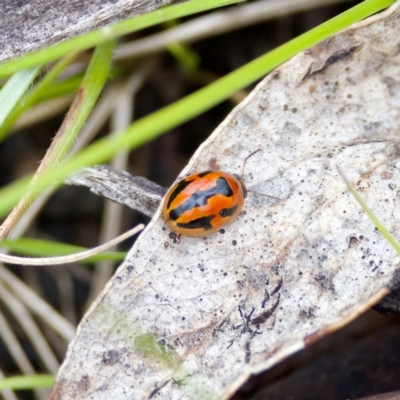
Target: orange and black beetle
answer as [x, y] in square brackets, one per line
[203, 203]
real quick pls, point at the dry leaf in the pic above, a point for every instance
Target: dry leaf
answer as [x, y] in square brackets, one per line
[192, 318]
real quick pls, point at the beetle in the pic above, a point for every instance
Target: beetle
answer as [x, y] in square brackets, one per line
[203, 203]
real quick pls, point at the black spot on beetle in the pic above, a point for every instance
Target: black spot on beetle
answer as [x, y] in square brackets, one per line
[203, 174]
[200, 198]
[203, 222]
[228, 212]
[179, 188]
[129, 267]
[234, 242]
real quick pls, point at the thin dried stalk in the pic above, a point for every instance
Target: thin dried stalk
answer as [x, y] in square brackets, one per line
[31, 329]
[217, 23]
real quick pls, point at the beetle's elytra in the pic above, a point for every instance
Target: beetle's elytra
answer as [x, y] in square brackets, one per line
[203, 203]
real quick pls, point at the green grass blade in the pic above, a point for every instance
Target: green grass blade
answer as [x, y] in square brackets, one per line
[187, 58]
[89, 91]
[181, 111]
[375, 220]
[65, 87]
[26, 382]
[92, 85]
[48, 248]
[14, 89]
[91, 39]
[69, 85]
[38, 91]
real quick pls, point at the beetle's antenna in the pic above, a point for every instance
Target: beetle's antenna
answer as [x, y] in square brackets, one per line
[262, 194]
[245, 160]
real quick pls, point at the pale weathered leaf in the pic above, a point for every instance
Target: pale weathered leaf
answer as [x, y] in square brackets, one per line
[194, 317]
